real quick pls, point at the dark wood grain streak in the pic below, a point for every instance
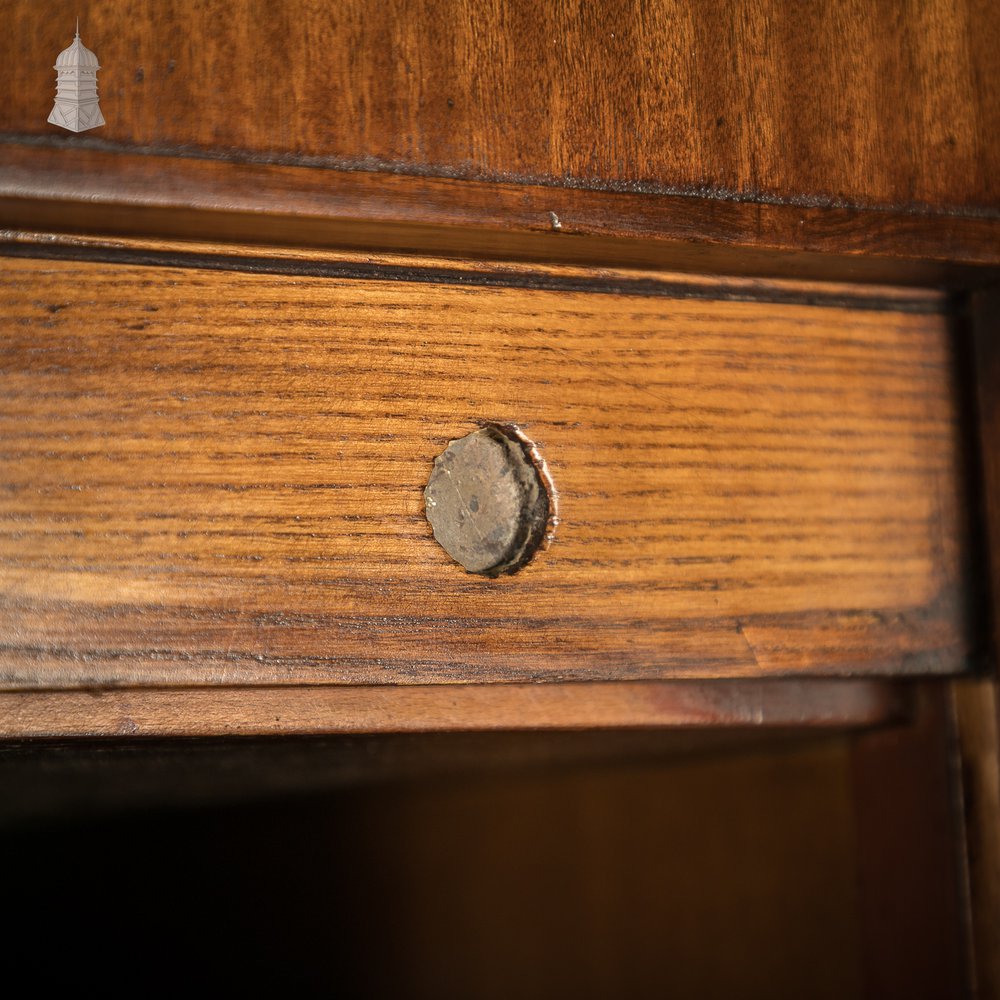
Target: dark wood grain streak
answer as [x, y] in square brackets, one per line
[619, 281]
[217, 478]
[842, 104]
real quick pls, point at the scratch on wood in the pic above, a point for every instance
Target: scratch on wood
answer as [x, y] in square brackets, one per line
[743, 636]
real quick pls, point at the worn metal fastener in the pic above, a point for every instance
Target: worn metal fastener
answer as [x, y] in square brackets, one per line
[487, 502]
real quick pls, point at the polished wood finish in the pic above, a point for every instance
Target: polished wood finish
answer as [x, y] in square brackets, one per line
[852, 143]
[213, 455]
[256, 711]
[218, 478]
[88, 191]
[563, 273]
[852, 104]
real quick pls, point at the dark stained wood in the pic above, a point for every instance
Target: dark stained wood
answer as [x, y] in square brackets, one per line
[977, 714]
[217, 478]
[88, 191]
[427, 216]
[914, 920]
[711, 876]
[984, 319]
[773, 704]
[978, 702]
[54, 780]
[732, 875]
[846, 104]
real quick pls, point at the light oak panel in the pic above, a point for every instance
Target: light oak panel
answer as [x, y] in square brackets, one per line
[216, 477]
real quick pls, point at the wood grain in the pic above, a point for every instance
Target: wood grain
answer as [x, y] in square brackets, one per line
[216, 478]
[95, 191]
[844, 103]
[308, 261]
[256, 711]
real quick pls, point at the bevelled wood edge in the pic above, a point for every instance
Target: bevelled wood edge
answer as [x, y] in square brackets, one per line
[388, 266]
[984, 316]
[976, 707]
[443, 708]
[96, 191]
[977, 700]
[422, 269]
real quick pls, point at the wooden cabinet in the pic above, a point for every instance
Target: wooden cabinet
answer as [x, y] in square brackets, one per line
[728, 271]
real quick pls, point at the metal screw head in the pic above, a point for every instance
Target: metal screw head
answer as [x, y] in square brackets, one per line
[487, 502]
